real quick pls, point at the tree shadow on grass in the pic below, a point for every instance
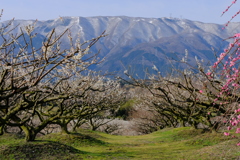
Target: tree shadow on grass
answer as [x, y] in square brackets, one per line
[76, 139]
[88, 139]
[53, 146]
[40, 150]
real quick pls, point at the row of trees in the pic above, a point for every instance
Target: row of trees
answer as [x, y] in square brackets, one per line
[51, 84]
[198, 95]
[186, 97]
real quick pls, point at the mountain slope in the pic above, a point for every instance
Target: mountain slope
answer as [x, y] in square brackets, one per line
[140, 42]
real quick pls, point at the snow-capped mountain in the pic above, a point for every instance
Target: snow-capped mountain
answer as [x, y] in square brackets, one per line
[141, 42]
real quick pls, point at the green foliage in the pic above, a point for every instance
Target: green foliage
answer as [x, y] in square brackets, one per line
[124, 111]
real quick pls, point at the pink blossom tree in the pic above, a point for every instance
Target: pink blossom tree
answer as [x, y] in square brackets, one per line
[228, 64]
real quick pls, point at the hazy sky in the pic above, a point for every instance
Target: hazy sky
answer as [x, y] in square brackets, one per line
[199, 10]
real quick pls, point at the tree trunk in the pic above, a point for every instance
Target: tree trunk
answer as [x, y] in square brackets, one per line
[214, 127]
[64, 128]
[30, 134]
[195, 124]
[183, 123]
[74, 129]
[2, 129]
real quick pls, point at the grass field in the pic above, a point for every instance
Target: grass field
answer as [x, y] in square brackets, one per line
[178, 143]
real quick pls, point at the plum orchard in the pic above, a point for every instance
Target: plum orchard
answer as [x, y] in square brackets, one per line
[195, 97]
[51, 83]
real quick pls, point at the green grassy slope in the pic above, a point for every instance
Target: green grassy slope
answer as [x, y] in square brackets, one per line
[178, 143]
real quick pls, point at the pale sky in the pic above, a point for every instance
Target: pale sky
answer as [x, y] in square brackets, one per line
[200, 10]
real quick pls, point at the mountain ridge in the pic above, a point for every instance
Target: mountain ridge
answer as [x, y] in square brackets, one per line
[131, 40]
